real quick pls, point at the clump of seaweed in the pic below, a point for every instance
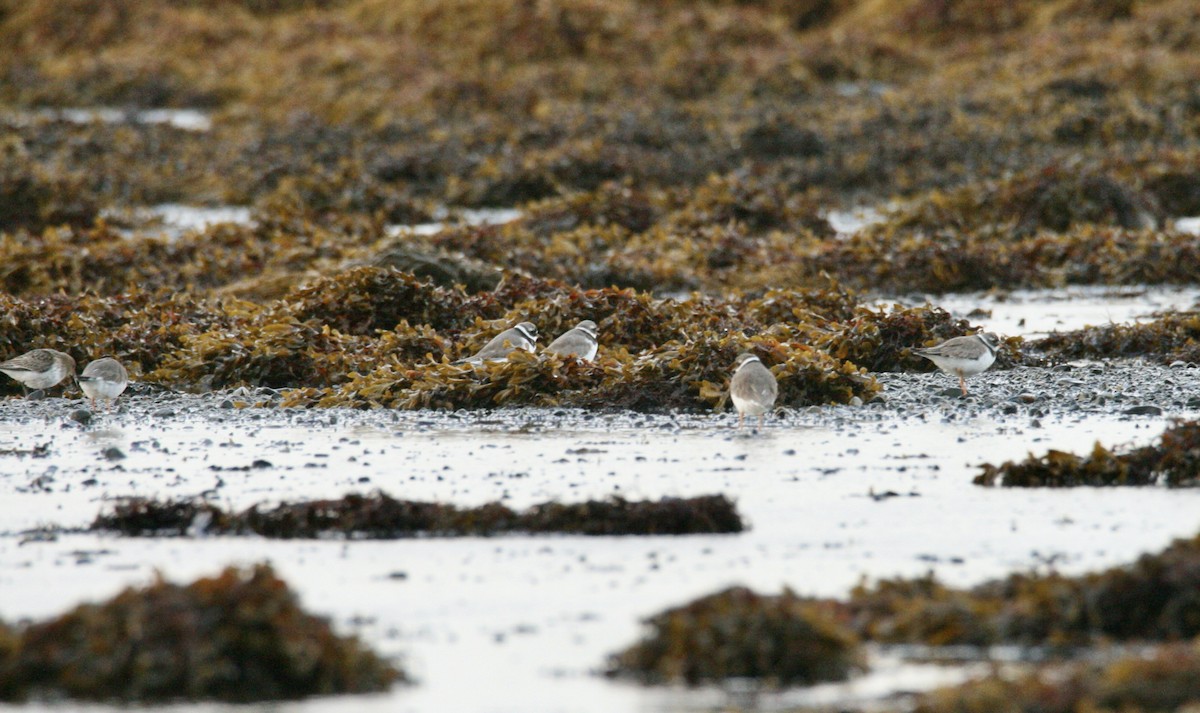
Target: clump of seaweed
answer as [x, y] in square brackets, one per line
[380, 516]
[780, 640]
[1171, 337]
[366, 300]
[1053, 198]
[32, 198]
[617, 516]
[1153, 598]
[1174, 462]
[1166, 678]
[240, 636]
[143, 517]
[324, 195]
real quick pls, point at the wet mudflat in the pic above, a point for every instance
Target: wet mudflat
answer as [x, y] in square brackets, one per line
[831, 494]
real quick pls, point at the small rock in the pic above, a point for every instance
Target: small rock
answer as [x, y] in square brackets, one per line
[81, 416]
[164, 413]
[1144, 410]
[113, 453]
[35, 395]
[226, 403]
[856, 401]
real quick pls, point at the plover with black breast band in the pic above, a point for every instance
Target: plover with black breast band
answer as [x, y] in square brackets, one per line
[521, 337]
[963, 356]
[580, 341]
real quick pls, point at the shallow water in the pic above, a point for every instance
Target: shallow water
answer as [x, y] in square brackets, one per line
[1037, 313]
[186, 119]
[522, 623]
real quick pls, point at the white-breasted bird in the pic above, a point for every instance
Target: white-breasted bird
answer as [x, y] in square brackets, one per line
[40, 368]
[963, 356]
[580, 341]
[523, 336]
[103, 379]
[753, 388]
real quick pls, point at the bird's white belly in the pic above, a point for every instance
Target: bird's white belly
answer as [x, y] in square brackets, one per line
[749, 407]
[965, 367]
[101, 389]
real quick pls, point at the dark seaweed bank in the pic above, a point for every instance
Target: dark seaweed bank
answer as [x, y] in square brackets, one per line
[1164, 679]
[240, 636]
[782, 639]
[654, 149]
[373, 337]
[1152, 599]
[1169, 338]
[380, 516]
[1174, 462]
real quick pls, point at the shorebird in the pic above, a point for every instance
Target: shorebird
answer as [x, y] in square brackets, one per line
[40, 368]
[577, 342]
[963, 356]
[523, 336]
[753, 388]
[103, 379]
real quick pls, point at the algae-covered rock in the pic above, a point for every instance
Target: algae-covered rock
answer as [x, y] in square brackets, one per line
[239, 636]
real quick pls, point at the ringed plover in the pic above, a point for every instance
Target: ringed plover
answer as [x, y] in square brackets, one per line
[523, 336]
[753, 388]
[963, 356]
[103, 379]
[577, 342]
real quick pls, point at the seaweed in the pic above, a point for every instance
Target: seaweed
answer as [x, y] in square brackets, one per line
[778, 640]
[1169, 338]
[1152, 599]
[380, 516]
[1173, 462]
[1162, 679]
[240, 636]
[33, 198]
